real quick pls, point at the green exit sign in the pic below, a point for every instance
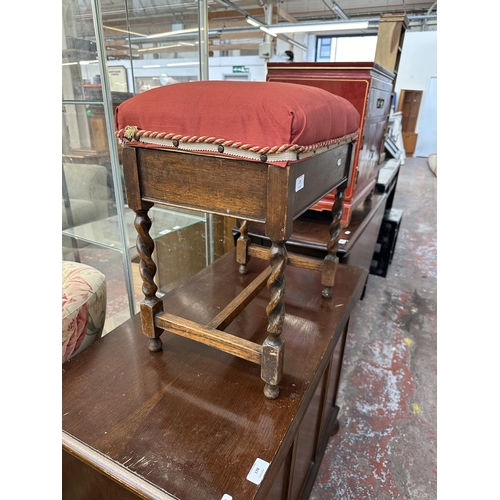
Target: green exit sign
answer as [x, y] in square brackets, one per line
[241, 69]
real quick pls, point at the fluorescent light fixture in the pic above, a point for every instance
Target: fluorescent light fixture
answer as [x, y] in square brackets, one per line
[254, 22]
[81, 63]
[268, 31]
[159, 47]
[151, 66]
[124, 31]
[173, 33]
[258, 24]
[184, 64]
[308, 28]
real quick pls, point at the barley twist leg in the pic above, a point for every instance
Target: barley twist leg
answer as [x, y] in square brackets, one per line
[273, 346]
[331, 260]
[151, 304]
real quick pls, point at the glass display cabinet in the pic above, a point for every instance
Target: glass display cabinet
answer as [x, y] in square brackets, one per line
[101, 66]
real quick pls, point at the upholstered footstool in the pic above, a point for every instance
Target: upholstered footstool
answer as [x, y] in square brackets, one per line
[83, 307]
[256, 151]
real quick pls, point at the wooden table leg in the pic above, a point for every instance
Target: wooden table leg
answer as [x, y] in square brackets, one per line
[273, 346]
[331, 260]
[151, 305]
[242, 244]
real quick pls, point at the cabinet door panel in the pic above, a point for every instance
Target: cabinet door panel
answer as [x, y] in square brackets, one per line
[369, 156]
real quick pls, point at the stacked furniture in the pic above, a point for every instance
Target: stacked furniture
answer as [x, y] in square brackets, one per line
[368, 86]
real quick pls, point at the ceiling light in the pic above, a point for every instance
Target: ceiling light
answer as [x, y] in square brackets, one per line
[307, 28]
[173, 33]
[123, 31]
[268, 31]
[159, 47]
[183, 64]
[260, 25]
[253, 22]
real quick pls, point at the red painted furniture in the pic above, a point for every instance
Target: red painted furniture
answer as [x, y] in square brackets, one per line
[368, 86]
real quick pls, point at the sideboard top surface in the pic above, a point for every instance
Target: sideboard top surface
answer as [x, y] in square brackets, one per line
[190, 419]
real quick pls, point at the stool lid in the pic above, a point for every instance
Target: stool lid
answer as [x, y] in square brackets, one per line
[275, 122]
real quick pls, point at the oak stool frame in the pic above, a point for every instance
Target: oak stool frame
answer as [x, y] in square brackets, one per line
[249, 191]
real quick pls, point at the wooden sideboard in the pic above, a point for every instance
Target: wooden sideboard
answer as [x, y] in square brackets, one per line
[191, 422]
[368, 86]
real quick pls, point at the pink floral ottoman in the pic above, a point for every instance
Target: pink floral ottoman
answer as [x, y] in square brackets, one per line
[83, 307]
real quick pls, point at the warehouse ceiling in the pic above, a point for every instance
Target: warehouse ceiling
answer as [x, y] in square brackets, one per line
[301, 10]
[287, 10]
[150, 23]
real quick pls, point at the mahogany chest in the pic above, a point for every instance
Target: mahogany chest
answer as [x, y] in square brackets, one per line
[368, 86]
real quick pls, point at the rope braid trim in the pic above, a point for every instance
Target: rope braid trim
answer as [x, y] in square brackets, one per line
[208, 144]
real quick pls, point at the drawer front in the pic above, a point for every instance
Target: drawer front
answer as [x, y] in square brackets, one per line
[379, 102]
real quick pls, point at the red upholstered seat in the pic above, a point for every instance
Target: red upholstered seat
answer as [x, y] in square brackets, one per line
[278, 123]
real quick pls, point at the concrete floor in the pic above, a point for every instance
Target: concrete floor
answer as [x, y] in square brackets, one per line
[386, 446]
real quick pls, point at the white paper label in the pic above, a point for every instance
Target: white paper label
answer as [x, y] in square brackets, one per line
[343, 242]
[226, 497]
[299, 183]
[258, 471]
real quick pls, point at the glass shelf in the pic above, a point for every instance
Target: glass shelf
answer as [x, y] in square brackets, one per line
[105, 232]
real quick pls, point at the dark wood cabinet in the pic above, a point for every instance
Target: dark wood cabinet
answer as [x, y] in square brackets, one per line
[368, 86]
[190, 421]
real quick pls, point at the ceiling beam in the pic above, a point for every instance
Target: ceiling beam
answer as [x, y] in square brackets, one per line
[286, 16]
[234, 46]
[233, 14]
[240, 35]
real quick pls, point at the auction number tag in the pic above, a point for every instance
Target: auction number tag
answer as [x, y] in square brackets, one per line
[299, 182]
[258, 471]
